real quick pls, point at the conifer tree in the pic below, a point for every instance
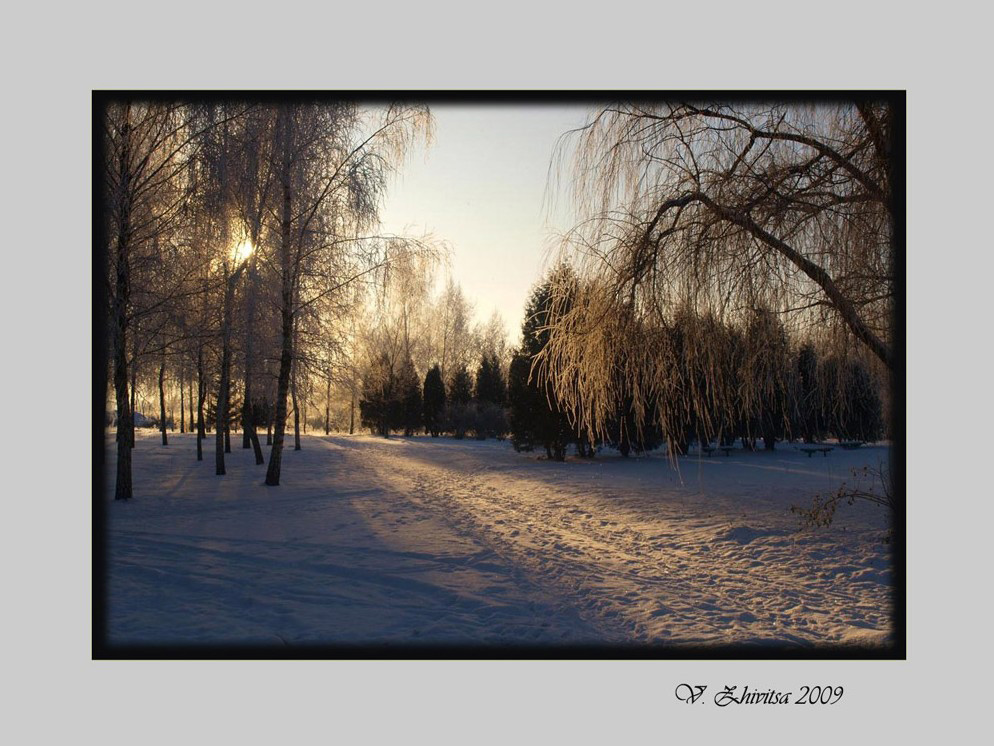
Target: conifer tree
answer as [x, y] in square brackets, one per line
[535, 417]
[491, 397]
[409, 392]
[380, 403]
[434, 401]
[461, 390]
[459, 396]
[490, 385]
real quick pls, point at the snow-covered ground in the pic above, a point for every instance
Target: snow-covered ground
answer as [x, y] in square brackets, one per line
[421, 540]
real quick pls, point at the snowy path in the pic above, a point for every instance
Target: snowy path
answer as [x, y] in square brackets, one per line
[458, 541]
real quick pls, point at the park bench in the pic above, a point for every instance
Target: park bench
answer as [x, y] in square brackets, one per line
[728, 450]
[812, 450]
[708, 450]
[851, 444]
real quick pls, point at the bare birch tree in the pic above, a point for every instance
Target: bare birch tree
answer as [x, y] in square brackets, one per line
[330, 165]
[147, 149]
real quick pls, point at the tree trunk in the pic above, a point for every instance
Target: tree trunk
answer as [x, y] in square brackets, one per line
[222, 437]
[296, 409]
[352, 414]
[327, 408]
[248, 422]
[254, 440]
[286, 309]
[201, 395]
[122, 486]
[162, 401]
[134, 389]
[189, 385]
[282, 386]
[182, 414]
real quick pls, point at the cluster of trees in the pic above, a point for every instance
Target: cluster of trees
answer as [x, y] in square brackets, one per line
[427, 366]
[695, 379]
[396, 400]
[714, 240]
[241, 242]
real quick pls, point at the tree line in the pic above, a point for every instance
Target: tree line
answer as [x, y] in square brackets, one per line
[774, 387]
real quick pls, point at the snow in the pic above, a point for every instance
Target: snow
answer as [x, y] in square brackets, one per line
[435, 541]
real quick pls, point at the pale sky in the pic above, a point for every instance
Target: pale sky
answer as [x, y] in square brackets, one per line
[480, 187]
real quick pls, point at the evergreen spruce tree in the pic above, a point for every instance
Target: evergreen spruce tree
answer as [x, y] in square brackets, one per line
[491, 397]
[521, 402]
[490, 385]
[535, 418]
[461, 390]
[234, 412]
[458, 408]
[434, 401]
[409, 393]
[380, 406]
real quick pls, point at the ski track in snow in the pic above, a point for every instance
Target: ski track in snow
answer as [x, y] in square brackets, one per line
[421, 540]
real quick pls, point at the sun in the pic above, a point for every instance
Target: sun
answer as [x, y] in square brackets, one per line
[242, 251]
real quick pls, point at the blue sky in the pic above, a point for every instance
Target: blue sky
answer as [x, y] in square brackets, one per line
[481, 186]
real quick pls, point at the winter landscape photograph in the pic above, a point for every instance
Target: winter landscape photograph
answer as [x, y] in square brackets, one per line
[498, 375]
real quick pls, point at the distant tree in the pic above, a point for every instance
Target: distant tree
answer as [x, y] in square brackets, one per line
[851, 404]
[231, 418]
[459, 414]
[809, 394]
[456, 335]
[491, 397]
[434, 401]
[490, 421]
[535, 416]
[490, 384]
[770, 377]
[379, 406]
[522, 399]
[461, 389]
[409, 393]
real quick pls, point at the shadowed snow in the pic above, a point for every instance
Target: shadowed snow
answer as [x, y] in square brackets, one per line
[436, 541]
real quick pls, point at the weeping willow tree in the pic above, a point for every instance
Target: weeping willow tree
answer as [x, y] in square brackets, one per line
[710, 236]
